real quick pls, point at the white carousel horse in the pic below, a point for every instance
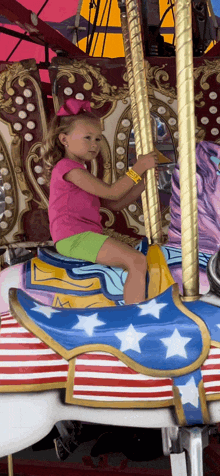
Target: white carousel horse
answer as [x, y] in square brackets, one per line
[28, 417]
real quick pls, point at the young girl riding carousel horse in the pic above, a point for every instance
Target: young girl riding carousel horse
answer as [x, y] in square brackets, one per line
[74, 139]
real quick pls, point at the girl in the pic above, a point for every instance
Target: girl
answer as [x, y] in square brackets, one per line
[73, 140]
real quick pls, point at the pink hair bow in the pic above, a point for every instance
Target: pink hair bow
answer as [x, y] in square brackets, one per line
[73, 106]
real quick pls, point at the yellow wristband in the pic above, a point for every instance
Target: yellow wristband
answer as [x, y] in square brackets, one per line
[134, 176]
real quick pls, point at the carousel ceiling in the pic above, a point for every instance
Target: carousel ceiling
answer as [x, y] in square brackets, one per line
[106, 36]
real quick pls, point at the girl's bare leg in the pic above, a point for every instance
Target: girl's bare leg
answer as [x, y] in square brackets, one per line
[115, 253]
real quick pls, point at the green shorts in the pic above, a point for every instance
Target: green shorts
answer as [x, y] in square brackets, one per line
[82, 246]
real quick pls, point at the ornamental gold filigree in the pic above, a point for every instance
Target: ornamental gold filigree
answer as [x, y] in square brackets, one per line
[6, 79]
[34, 156]
[16, 155]
[157, 79]
[10, 191]
[208, 69]
[108, 92]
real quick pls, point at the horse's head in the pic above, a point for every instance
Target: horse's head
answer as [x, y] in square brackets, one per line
[208, 183]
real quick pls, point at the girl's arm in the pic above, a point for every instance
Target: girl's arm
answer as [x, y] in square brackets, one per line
[128, 198]
[95, 186]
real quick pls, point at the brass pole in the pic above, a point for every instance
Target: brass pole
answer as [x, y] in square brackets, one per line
[10, 466]
[135, 119]
[141, 96]
[187, 148]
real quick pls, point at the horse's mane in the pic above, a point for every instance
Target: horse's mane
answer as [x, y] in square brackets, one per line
[208, 196]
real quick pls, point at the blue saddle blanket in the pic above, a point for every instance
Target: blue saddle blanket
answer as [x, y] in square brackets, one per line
[155, 334]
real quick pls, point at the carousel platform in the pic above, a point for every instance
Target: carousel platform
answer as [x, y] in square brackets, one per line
[43, 463]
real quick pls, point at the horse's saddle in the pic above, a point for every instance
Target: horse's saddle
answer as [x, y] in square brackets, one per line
[162, 343]
[157, 337]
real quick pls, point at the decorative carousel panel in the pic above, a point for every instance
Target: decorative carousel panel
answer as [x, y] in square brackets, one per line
[8, 188]
[161, 74]
[22, 125]
[105, 85]
[165, 135]
[100, 82]
[106, 88]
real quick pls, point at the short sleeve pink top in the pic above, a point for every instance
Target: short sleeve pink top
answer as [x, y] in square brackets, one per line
[71, 209]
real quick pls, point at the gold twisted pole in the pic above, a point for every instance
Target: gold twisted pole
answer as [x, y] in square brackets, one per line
[143, 114]
[137, 135]
[187, 148]
[10, 466]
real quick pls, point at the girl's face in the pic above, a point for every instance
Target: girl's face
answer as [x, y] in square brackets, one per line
[82, 143]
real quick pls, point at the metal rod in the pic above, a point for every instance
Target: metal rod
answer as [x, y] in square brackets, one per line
[10, 466]
[135, 119]
[187, 148]
[141, 95]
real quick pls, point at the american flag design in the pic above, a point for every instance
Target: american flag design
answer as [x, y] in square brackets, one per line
[100, 376]
[211, 372]
[26, 361]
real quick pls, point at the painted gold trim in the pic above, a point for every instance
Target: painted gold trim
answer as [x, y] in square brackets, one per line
[102, 404]
[213, 396]
[22, 317]
[131, 404]
[31, 387]
[179, 407]
[215, 343]
[200, 323]
[70, 381]
[202, 396]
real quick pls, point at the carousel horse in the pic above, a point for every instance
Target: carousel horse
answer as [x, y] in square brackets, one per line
[64, 360]
[208, 185]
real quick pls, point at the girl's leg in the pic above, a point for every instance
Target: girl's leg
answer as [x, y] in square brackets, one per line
[115, 253]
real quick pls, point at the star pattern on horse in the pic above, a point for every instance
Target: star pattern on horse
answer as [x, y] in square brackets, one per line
[130, 339]
[88, 323]
[176, 344]
[153, 308]
[190, 393]
[47, 311]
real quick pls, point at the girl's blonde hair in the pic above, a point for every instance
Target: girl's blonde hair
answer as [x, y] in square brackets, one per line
[52, 149]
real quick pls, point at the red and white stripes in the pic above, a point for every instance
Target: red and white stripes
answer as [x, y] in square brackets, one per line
[211, 371]
[24, 359]
[99, 376]
[102, 377]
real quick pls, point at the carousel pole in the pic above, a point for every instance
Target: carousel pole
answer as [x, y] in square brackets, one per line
[10, 466]
[187, 149]
[137, 135]
[142, 116]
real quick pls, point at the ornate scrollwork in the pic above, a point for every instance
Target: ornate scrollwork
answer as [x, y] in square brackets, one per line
[10, 190]
[108, 92]
[34, 156]
[17, 161]
[198, 97]
[6, 79]
[19, 72]
[207, 69]
[111, 217]
[157, 79]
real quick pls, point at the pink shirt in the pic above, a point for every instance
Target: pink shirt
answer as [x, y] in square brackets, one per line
[71, 209]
